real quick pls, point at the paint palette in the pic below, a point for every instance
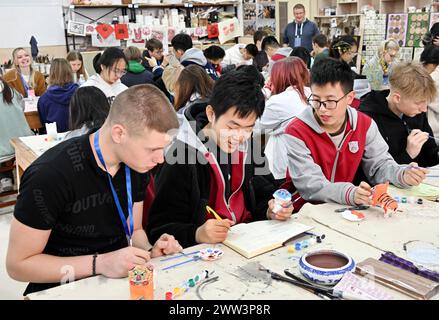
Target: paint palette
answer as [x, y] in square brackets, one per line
[397, 28]
[352, 215]
[210, 254]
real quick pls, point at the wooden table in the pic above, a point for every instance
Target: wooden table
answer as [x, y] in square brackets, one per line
[239, 278]
[24, 156]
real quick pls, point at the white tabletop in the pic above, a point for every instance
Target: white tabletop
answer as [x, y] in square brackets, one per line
[239, 278]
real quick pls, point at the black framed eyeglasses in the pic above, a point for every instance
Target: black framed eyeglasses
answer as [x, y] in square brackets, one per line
[328, 104]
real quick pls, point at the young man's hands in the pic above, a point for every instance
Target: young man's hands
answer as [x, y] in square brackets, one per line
[414, 175]
[166, 244]
[363, 194]
[213, 231]
[282, 215]
[116, 264]
[415, 141]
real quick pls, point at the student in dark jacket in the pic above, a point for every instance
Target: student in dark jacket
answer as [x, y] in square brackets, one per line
[136, 72]
[211, 164]
[215, 55]
[53, 105]
[400, 114]
[196, 56]
[153, 58]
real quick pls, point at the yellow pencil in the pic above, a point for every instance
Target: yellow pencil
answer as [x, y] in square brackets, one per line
[211, 211]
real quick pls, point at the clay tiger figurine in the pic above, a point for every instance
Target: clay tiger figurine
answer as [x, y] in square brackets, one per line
[383, 199]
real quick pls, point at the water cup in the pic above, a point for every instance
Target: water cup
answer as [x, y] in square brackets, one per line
[52, 133]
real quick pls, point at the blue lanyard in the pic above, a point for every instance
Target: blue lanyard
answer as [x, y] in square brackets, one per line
[128, 232]
[25, 85]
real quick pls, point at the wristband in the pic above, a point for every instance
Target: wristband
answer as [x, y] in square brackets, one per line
[94, 264]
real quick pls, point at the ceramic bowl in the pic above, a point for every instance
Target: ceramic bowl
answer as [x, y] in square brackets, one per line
[325, 267]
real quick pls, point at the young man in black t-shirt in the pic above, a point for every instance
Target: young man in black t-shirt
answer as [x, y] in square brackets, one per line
[66, 224]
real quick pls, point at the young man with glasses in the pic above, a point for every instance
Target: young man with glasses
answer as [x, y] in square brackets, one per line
[154, 59]
[330, 141]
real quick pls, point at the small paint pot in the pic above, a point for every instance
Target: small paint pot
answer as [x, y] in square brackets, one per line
[168, 295]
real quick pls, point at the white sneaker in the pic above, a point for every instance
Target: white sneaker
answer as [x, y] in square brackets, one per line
[6, 185]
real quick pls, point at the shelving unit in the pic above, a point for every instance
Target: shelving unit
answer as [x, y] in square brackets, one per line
[382, 6]
[353, 24]
[346, 7]
[392, 6]
[131, 10]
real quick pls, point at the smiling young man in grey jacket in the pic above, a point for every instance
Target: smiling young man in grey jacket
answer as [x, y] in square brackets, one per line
[330, 141]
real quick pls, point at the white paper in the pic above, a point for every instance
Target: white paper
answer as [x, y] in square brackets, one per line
[228, 30]
[98, 41]
[39, 145]
[76, 28]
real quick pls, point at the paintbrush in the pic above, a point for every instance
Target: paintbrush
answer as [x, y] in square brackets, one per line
[430, 137]
[323, 293]
[195, 258]
[180, 255]
[332, 292]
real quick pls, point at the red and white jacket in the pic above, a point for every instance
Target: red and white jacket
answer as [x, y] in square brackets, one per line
[319, 171]
[232, 208]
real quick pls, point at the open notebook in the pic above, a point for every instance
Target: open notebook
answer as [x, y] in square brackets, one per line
[255, 238]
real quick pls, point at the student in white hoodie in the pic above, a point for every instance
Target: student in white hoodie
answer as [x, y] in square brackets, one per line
[239, 54]
[110, 67]
[289, 80]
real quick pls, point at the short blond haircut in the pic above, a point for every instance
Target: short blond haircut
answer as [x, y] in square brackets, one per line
[413, 81]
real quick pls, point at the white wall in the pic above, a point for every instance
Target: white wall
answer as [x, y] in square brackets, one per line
[21, 19]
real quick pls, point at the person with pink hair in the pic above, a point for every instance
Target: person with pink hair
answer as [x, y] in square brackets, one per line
[289, 87]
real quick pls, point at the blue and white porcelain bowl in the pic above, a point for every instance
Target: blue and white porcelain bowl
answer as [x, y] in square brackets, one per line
[325, 267]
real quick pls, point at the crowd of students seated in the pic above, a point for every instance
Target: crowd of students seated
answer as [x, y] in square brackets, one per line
[155, 138]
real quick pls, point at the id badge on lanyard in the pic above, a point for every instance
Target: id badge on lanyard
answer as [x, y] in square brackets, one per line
[298, 36]
[128, 230]
[30, 93]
